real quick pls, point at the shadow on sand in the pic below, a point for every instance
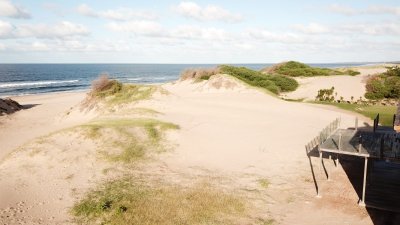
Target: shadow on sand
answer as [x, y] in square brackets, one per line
[29, 106]
[383, 184]
[382, 190]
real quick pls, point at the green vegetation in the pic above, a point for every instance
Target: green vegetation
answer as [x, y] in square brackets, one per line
[273, 83]
[132, 137]
[264, 183]
[199, 74]
[351, 72]
[385, 85]
[297, 69]
[326, 95]
[125, 201]
[125, 93]
[113, 92]
[267, 222]
[370, 111]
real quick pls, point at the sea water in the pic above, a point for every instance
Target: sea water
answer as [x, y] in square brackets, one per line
[23, 79]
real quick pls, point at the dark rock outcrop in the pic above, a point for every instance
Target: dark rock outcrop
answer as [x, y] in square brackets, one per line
[8, 106]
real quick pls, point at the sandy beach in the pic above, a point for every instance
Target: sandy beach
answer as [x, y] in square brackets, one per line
[229, 133]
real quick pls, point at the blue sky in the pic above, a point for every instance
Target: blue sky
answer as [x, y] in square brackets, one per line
[235, 31]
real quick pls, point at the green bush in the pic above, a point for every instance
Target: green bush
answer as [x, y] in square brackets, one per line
[392, 85]
[386, 85]
[297, 69]
[326, 95]
[273, 83]
[393, 71]
[351, 72]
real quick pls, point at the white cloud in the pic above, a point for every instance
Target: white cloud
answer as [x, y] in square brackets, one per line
[62, 30]
[2, 47]
[146, 28]
[312, 28]
[270, 36]
[381, 29]
[8, 9]
[384, 28]
[116, 14]
[6, 29]
[194, 32]
[58, 45]
[207, 13]
[156, 30]
[381, 9]
[341, 9]
[372, 9]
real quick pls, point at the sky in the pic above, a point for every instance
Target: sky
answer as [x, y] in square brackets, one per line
[225, 31]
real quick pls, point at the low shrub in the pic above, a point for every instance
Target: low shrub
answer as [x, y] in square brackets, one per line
[103, 86]
[351, 72]
[385, 85]
[199, 73]
[297, 69]
[326, 95]
[273, 83]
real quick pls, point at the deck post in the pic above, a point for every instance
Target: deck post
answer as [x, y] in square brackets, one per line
[362, 201]
[356, 124]
[340, 143]
[337, 159]
[320, 171]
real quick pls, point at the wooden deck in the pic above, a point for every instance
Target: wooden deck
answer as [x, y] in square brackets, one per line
[381, 153]
[381, 144]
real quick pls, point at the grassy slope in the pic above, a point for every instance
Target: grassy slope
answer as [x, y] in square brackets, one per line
[297, 69]
[126, 201]
[272, 83]
[386, 112]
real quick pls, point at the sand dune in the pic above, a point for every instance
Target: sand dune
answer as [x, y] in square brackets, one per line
[345, 86]
[231, 133]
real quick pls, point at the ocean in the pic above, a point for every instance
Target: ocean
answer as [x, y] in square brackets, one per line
[25, 79]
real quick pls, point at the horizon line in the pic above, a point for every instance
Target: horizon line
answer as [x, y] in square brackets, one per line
[192, 63]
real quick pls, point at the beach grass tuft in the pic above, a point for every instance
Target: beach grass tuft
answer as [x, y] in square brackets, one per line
[268, 222]
[199, 74]
[128, 140]
[112, 92]
[264, 183]
[125, 201]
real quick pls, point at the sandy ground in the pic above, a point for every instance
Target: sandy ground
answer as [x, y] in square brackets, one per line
[345, 86]
[231, 133]
[46, 114]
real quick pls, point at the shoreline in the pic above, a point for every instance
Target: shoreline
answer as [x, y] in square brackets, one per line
[349, 66]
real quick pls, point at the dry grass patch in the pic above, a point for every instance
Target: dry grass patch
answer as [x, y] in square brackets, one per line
[127, 202]
[111, 92]
[199, 73]
[264, 183]
[127, 140]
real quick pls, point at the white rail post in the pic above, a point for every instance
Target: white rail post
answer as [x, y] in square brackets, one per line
[362, 202]
[320, 171]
